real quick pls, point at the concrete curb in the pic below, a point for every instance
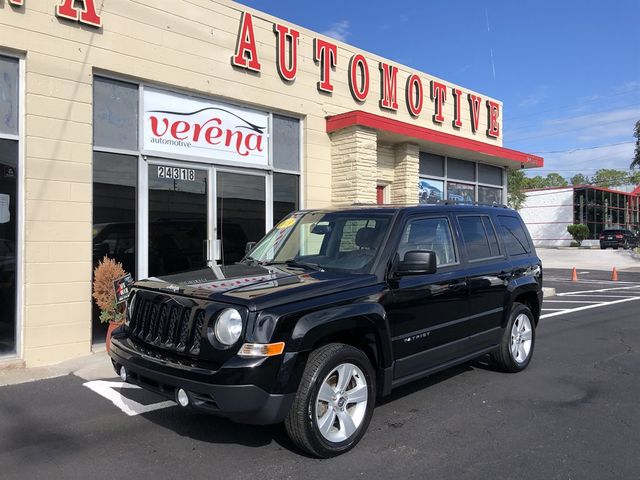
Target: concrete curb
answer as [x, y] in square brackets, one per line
[548, 291]
[95, 366]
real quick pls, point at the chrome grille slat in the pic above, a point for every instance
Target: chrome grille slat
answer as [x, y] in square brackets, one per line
[161, 321]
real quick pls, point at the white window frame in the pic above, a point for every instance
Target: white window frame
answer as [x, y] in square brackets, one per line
[20, 210]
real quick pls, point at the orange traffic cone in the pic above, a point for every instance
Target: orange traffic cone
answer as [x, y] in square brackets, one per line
[574, 275]
[614, 274]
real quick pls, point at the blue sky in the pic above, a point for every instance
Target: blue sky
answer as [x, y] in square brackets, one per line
[567, 71]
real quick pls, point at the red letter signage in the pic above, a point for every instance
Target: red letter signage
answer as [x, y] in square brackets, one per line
[359, 90]
[388, 86]
[287, 64]
[86, 15]
[439, 96]
[325, 53]
[474, 108]
[493, 126]
[457, 95]
[415, 95]
[246, 55]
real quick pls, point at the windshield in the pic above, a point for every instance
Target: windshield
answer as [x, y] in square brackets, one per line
[347, 241]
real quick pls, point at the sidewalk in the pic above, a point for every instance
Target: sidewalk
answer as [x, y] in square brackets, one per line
[589, 259]
[91, 367]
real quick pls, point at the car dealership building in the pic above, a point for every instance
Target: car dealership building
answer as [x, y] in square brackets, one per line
[168, 134]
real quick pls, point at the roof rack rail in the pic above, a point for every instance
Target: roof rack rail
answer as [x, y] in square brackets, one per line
[480, 204]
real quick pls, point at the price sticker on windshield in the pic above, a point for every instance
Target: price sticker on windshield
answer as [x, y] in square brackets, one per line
[286, 223]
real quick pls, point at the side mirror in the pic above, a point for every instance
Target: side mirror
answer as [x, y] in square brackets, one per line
[417, 262]
[248, 247]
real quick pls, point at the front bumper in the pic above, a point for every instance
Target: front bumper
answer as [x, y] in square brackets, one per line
[244, 403]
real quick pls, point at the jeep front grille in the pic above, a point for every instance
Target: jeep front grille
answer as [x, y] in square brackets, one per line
[163, 321]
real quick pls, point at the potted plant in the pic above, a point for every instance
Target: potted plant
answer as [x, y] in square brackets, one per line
[107, 271]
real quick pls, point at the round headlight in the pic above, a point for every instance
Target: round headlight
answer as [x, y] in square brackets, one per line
[228, 326]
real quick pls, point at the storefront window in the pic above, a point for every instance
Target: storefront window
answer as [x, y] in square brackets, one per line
[286, 143]
[115, 128]
[431, 165]
[460, 192]
[461, 170]
[489, 174]
[9, 190]
[489, 195]
[241, 213]
[286, 192]
[115, 114]
[430, 191]
[8, 230]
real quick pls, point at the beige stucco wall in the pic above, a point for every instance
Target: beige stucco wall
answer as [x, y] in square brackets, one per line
[179, 43]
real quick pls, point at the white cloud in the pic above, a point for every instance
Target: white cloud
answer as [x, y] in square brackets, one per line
[338, 30]
[587, 162]
[601, 127]
[538, 94]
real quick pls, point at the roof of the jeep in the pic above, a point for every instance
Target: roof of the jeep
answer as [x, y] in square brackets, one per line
[413, 208]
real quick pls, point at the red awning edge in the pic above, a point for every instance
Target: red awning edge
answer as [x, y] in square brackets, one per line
[378, 122]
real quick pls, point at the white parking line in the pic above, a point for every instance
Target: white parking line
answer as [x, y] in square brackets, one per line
[599, 282]
[606, 296]
[601, 290]
[570, 301]
[588, 307]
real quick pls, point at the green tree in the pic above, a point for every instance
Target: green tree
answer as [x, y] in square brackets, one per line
[610, 177]
[516, 184]
[534, 182]
[555, 180]
[579, 179]
[636, 156]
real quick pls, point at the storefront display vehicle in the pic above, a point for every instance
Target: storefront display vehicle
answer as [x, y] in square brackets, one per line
[331, 311]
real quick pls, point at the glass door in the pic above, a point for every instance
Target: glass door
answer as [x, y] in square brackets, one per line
[179, 212]
[188, 206]
[241, 213]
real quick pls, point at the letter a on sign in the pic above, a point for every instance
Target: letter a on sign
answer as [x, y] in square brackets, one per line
[87, 15]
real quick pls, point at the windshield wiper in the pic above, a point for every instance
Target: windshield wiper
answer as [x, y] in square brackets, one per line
[292, 262]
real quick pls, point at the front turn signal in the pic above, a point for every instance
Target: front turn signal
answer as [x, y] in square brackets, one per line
[261, 349]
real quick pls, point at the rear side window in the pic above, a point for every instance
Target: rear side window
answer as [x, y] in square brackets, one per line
[429, 234]
[479, 237]
[513, 235]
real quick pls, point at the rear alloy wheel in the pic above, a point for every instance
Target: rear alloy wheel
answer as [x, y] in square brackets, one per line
[334, 404]
[518, 340]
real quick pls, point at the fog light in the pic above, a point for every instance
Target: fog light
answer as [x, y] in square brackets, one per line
[182, 398]
[123, 374]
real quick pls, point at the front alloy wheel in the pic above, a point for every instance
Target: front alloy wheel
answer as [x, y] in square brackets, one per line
[341, 403]
[334, 403]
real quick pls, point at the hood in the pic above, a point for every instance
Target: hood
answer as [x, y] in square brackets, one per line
[256, 286]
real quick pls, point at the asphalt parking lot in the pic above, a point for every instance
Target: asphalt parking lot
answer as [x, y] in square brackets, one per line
[574, 413]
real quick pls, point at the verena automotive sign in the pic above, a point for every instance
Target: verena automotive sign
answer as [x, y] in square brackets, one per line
[182, 125]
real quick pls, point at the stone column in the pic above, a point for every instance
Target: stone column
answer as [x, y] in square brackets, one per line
[404, 188]
[354, 166]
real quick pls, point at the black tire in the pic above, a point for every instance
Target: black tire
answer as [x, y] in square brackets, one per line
[300, 422]
[626, 245]
[502, 358]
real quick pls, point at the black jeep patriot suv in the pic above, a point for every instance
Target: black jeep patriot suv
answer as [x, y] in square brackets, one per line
[333, 309]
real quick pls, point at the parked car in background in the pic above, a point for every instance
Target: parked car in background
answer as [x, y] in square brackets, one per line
[618, 238]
